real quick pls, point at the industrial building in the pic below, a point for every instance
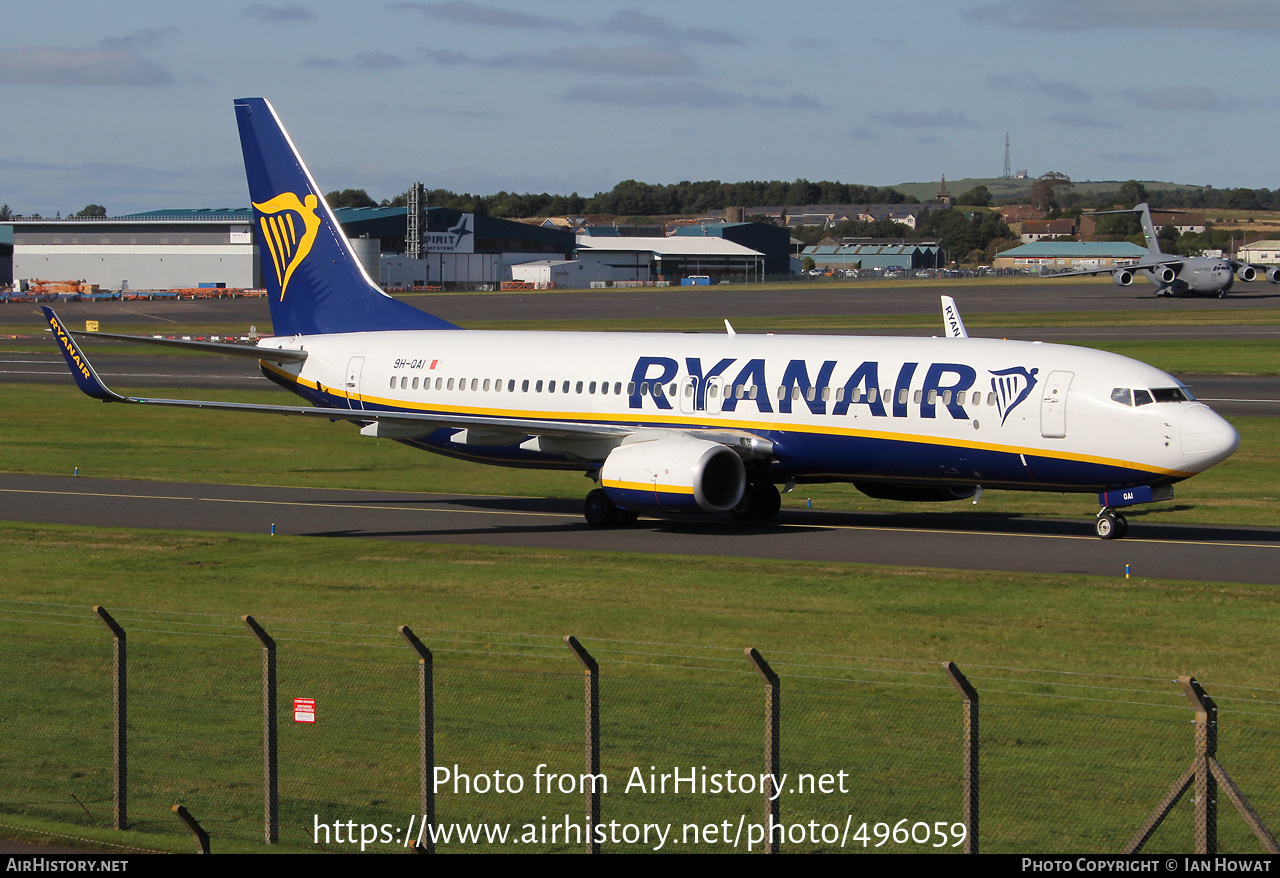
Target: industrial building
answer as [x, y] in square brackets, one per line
[1063, 255]
[868, 254]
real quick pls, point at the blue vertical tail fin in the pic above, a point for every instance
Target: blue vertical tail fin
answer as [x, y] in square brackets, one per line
[314, 282]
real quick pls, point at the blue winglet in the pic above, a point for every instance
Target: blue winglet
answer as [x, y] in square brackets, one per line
[81, 370]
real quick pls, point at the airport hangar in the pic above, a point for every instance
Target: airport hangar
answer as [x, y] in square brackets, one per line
[186, 249]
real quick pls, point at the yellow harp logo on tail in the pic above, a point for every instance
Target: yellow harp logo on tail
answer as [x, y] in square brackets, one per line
[289, 228]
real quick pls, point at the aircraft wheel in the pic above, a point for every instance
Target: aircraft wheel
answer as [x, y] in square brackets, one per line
[1122, 527]
[746, 508]
[1107, 526]
[599, 510]
[1222, 294]
[770, 501]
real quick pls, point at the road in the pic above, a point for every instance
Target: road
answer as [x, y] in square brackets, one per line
[965, 540]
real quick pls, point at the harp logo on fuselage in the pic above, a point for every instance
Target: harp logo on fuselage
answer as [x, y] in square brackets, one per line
[289, 226]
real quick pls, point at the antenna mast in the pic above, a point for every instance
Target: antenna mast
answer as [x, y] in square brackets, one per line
[1008, 169]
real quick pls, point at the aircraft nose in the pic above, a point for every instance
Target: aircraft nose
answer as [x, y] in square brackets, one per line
[1207, 438]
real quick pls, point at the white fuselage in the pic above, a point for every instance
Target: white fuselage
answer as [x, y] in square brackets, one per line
[922, 411]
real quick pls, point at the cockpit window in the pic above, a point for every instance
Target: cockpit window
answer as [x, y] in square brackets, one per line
[1171, 394]
[1122, 395]
[1142, 397]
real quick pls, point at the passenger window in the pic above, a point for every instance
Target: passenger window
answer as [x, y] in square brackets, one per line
[809, 394]
[1142, 397]
[902, 396]
[631, 388]
[539, 387]
[591, 388]
[577, 388]
[439, 381]
[393, 382]
[916, 397]
[1122, 395]
[752, 393]
[551, 387]
[475, 382]
[933, 397]
[946, 397]
[524, 386]
[959, 397]
[713, 391]
[451, 384]
[991, 398]
[688, 391]
[415, 383]
[826, 394]
[511, 386]
[565, 389]
[872, 395]
[486, 385]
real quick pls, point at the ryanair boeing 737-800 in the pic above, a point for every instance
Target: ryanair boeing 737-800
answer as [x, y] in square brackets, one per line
[698, 423]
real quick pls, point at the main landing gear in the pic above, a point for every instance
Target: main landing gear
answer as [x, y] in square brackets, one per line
[600, 511]
[1111, 525]
[760, 502]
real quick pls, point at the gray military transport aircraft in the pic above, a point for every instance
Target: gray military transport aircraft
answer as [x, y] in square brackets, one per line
[1174, 275]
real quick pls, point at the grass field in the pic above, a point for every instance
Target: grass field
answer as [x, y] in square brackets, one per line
[1072, 669]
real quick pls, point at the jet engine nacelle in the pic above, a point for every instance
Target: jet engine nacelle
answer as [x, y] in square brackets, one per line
[1273, 275]
[1165, 274]
[915, 493]
[677, 474]
[1248, 273]
[1122, 278]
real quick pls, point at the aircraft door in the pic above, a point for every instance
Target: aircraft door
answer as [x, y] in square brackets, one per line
[712, 393]
[354, 367]
[1053, 405]
[688, 395]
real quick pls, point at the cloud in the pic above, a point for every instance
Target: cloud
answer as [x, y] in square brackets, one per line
[633, 22]
[285, 12]
[464, 12]
[1081, 120]
[146, 38]
[627, 22]
[1177, 98]
[628, 61]
[695, 96]
[77, 66]
[1063, 92]
[376, 60]
[925, 119]
[1246, 16]
[862, 132]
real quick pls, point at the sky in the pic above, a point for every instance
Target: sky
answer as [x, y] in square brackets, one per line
[129, 104]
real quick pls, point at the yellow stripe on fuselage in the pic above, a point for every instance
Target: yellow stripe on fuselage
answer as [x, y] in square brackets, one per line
[683, 421]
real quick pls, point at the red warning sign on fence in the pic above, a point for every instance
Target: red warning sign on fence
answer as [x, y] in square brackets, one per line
[304, 710]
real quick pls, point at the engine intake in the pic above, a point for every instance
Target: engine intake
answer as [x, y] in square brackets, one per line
[677, 474]
[1273, 275]
[1165, 274]
[1122, 278]
[1248, 273]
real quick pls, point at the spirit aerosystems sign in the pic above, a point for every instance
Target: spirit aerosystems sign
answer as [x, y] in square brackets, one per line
[459, 239]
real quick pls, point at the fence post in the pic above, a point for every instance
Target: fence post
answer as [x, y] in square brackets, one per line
[202, 837]
[1206, 748]
[591, 689]
[270, 777]
[427, 739]
[772, 746]
[970, 804]
[119, 722]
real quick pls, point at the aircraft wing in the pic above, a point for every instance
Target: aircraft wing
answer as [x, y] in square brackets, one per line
[234, 349]
[393, 424]
[1137, 266]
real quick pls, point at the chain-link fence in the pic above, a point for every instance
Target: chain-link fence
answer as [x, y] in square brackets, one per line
[491, 738]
